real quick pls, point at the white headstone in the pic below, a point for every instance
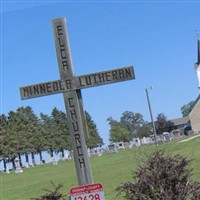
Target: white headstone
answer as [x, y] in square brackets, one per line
[18, 168]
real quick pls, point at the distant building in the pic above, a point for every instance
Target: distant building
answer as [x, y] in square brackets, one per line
[194, 116]
[192, 122]
[181, 125]
[195, 112]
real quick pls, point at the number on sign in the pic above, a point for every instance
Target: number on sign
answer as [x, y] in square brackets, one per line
[90, 197]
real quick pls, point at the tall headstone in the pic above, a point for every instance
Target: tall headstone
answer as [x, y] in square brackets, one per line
[18, 168]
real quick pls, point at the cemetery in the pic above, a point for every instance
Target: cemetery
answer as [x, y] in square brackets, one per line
[109, 164]
[63, 154]
[97, 151]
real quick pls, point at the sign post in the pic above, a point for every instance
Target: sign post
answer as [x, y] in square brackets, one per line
[71, 85]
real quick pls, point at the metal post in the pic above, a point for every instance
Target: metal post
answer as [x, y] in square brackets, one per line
[151, 115]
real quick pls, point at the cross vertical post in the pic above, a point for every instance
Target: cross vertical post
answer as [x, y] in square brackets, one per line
[73, 103]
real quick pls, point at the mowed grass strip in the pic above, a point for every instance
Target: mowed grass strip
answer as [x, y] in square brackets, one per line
[109, 169]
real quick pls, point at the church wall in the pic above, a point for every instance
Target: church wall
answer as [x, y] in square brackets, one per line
[195, 118]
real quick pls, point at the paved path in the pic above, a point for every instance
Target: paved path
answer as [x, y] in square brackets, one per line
[189, 138]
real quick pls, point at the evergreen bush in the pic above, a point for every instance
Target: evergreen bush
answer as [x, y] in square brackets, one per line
[162, 177]
[52, 194]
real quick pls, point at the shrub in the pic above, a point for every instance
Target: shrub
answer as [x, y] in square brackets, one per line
[162, 178]
[52, 195]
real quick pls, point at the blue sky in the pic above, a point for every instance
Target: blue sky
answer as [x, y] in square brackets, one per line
[157, 37]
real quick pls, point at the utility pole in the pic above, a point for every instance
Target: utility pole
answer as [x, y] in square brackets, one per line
[151, 115]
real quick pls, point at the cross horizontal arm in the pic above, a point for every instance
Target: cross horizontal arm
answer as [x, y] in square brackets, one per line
[77, 82]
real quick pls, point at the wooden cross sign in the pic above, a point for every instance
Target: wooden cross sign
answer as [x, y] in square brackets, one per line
[71, 85]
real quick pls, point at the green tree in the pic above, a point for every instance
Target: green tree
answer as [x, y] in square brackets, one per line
[132, 121]
[47, 125]
[61, 132]
[144, 131]
[12, 135]
[119, 134]
[126, 128]
[116, 129]
[23, 130]
[94, 138]
[3, 140]
[162, 124]
[31, 132]
[112, 122]
[186, 109]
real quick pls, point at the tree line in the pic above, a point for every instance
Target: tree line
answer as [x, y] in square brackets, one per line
[24, 133]
[132, 125]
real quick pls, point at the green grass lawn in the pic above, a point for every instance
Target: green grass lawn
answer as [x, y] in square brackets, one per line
[109, 169]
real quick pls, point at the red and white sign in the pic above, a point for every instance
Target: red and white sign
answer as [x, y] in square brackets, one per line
[87, 192]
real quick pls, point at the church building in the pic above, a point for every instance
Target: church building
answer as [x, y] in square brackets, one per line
[194, 116]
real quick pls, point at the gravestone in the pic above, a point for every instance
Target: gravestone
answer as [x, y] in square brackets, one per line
[54, 161]
[7, 170]
[27, 165]
[112, 148]
[137, 142]
[18, 168]
[71, 85]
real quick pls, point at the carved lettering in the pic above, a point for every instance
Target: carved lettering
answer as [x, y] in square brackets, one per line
[62, 53]
[59, 30]
[68, 84]
[35, 89]
[114, 75]
[121, 73]
[48, 86]
[65, 65]
[95, 78]
[73, 114]
[55, 86]
[62, 48]
[75, 126]
[77, 139]
[105, 77]
[25, 91]
[79, 150]
[77, 82]
[42, 88]
[101, 77]
[70, 100]
[80, 82]
[128, 72]
[60, 42]
[88, 80]
[81, 162]
[61, 85]
[108, 76]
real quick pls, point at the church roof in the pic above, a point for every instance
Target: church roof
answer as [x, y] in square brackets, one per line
[180, 121]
